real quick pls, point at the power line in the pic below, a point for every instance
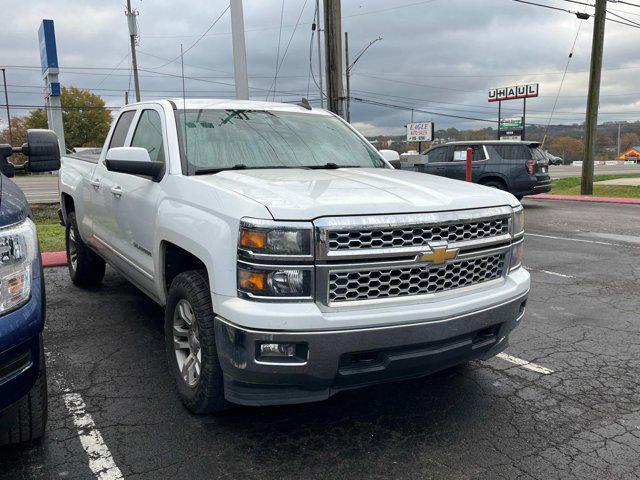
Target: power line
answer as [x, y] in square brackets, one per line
[196, 42]
[284, 55]
[555, 103]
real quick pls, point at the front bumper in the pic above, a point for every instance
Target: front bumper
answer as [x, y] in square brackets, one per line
[20, 345]
[344, 359]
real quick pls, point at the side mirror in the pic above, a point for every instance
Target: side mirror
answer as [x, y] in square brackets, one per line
[134, 161]
[43, 150]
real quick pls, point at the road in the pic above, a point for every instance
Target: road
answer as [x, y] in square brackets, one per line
[44, 188]
[39, 188]
[112, 403]
[565, 171]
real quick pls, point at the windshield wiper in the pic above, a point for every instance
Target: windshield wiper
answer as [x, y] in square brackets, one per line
[330, 166]
[203, 171]
[242, 166]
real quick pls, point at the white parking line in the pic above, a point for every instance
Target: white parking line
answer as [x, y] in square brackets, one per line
[549, 272]
[100, 460]
[524, 364]
[573, 239]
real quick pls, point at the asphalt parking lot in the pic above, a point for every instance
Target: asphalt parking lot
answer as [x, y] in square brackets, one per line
[113, 412]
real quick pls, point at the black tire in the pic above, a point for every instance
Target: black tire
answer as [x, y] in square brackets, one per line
[206, 395]
[86, 268]
[495, 184]
[30, 414]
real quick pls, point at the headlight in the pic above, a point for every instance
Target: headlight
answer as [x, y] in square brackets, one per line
[257, 281]
[518, 220]
[517, 255]
[18, 248]
[264, 237]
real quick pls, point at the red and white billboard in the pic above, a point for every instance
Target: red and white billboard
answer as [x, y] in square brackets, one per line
[512, 93]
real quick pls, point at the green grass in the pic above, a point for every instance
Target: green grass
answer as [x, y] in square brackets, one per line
[50, 232]
[571, 186]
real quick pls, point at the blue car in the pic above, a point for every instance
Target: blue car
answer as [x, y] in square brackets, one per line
[23, 377]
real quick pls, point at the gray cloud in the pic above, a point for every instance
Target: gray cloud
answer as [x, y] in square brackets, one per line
[440, 56]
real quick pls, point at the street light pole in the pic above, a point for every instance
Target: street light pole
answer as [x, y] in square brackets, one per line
[350, 66]
[239, 51]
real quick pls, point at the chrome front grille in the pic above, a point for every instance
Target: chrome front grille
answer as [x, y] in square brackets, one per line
[387, 258]
[418, 235]
[412, 280]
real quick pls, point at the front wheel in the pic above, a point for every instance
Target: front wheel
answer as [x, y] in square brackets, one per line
[190, 343]
[30, 417]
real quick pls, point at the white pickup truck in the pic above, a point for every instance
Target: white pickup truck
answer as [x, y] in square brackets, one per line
[292, 260]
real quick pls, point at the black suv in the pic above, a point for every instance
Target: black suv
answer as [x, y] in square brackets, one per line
[518, 167]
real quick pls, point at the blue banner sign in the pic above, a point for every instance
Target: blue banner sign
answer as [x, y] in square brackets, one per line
[48, 52]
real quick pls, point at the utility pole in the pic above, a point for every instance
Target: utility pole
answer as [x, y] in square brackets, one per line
[618, 140]
[239, 51]
[349, 67]
[6, 100]
[591, 123]
[318, 29]
[133, 33]
[126, 98]
[347, 71]
[333, 55]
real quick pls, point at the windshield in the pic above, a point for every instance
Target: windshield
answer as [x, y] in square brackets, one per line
[222, 139]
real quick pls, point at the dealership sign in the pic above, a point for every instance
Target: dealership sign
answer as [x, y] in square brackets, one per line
[511, 123]
[512, 93]
[420, 132]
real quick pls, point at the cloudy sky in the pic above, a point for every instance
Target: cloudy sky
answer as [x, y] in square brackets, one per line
[436, 55]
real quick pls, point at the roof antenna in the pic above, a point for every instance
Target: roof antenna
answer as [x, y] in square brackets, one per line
[184, 104]
[304, 103]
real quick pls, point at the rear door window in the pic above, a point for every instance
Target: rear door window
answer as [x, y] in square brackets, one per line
[460, 153]
[122, 128]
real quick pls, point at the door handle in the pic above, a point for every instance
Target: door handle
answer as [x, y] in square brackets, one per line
[95, 184]
[116, 191]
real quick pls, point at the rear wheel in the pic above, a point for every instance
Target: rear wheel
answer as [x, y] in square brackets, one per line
[31, 413]
[86, 268]
[190, 343]
[495, 184]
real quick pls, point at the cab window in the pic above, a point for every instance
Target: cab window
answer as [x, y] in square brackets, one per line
[148, 135]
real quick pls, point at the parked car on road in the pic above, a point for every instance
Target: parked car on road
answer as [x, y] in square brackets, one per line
[23, 377]
[292, 261]
[553, 160]
[518, 167]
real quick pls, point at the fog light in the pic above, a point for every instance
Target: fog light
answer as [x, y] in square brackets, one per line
[278, 350]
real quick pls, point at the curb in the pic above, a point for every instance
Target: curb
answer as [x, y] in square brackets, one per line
[586, 198]
[53, 259]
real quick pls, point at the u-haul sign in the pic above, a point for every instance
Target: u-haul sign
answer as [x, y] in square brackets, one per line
[512, 93]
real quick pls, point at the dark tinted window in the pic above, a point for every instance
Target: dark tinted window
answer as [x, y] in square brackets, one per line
[438, 154]
[148, 135]
[513, 152]
[122, 127]
[460, 153]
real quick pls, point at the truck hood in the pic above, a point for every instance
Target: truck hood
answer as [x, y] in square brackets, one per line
[302, 194]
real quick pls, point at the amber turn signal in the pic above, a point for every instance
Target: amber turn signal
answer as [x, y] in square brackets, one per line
[252, 281]
[253, 239]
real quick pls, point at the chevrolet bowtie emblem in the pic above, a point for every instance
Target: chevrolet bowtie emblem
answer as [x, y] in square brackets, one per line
[439, 255]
